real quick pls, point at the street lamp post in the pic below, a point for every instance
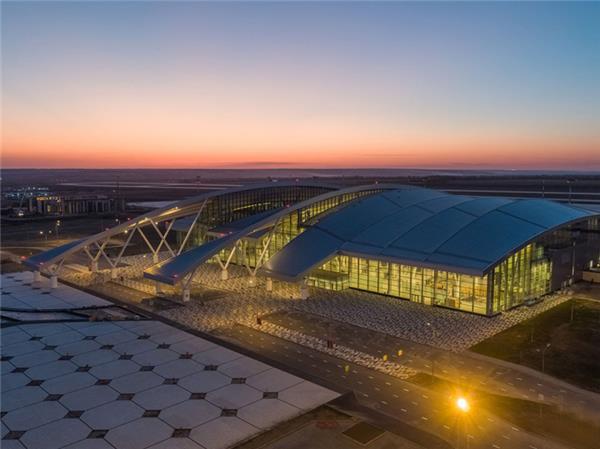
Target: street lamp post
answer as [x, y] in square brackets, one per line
[432, 353]
[544, 357]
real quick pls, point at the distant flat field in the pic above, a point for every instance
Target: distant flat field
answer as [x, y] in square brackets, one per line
[574, 352]
[151, 185]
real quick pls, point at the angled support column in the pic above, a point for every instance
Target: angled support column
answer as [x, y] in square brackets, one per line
[163, 237]
[154, 253]
[224, 272]
[191, 228]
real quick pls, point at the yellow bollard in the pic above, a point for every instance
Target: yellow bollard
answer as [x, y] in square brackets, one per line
[347, 369]
[385, 357]
[400, 352]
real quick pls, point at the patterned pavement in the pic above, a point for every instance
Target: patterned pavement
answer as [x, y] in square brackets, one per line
[134, 385]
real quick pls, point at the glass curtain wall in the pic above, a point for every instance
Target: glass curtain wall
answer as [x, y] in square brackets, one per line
[287, 228]
[524, 275]
[292, 225]
[417, 284]
[234, 206]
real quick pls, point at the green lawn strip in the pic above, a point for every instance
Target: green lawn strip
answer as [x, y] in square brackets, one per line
[574, 352]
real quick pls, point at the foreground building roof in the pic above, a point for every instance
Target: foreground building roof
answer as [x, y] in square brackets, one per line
[425, 228]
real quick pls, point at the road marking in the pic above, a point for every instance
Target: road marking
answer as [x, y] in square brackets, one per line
[446, 427]
[384, 403]
[388, 384]
[406, 389]
[506, 437]
[414, 403]
[395, 395]
[515, 429]
[403, 410]
[495, 446]
[424, 418]
[425, 396]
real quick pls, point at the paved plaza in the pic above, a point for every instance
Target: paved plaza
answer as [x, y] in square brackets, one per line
[439, 327]
[132, 384]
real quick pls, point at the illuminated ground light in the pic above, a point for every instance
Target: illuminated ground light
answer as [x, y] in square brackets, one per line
[462, 404]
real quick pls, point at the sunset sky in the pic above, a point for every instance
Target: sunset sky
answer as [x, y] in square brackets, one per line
[235, 85]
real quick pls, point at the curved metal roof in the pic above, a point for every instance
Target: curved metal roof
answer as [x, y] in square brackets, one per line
[176, 268]
[424, 227]
[175, 210]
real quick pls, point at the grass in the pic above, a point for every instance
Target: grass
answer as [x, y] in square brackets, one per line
[574, 351]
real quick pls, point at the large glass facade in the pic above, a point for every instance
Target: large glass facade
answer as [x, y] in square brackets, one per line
[522, 276]
[230, 207]
[287, 228]
[417, 284]
[292, 225]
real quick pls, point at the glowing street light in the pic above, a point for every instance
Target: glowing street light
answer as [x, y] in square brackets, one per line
[462, 404]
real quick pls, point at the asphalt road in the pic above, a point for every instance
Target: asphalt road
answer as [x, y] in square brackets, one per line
[409, 403]
[479, 372]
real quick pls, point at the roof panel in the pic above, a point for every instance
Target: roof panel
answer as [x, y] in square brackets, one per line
[307, 251]
[383, 233]
[480, 206]
[38, 260]
[442, 203]
[543, 213]
[173, 270]
[415, 195]
[434, 231]
[352, 219]
[490, 237]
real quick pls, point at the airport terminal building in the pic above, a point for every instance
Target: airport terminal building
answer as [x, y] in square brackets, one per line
[482, 255]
